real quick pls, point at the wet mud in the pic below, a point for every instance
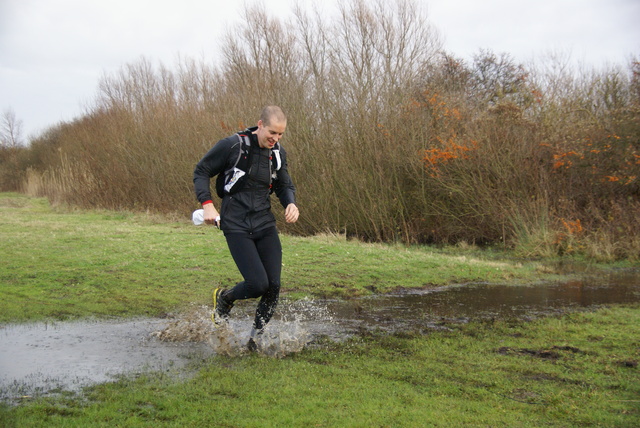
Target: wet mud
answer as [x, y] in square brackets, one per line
[41, 358]
[423, 309]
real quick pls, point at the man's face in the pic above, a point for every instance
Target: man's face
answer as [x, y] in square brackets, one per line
[269, 135]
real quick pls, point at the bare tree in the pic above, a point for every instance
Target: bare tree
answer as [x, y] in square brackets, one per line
[10, 129]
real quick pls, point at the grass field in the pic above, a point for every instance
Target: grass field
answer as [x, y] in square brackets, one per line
[579, 369]
[63, 264]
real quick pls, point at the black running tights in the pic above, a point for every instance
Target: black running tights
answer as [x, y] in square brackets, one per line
[259, 259]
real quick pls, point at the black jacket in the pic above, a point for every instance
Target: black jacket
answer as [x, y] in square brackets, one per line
[248, 210]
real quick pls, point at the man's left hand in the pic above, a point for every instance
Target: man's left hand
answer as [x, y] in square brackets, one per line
[291, 213]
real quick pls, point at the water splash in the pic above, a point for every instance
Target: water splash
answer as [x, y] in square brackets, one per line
[191, 326]
[39, 357]
[288, 332]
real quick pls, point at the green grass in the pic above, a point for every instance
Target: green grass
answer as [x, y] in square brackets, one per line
[576, 370]
[63, 264]
[579, 369]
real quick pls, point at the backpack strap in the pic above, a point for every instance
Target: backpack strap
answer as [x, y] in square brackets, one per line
[232, 179]
[235, 170]
[275, 152]
[244, 145]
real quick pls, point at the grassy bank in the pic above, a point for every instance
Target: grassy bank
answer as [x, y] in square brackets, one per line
[63, 264]
[577, 370]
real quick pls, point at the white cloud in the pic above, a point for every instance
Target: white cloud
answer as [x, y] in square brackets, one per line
[53, 52]
[592, 30]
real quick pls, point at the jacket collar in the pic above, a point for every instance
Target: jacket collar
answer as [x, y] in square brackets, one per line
[254, 138]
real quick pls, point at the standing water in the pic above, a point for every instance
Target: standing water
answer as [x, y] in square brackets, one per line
[38, 358]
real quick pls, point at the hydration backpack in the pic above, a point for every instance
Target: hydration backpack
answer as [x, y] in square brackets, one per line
[233, 178]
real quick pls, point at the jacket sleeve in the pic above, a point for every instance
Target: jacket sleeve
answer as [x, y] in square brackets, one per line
[212, 164]
[284, 188]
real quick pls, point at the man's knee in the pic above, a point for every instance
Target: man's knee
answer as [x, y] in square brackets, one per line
[265, 287]
[261, 287]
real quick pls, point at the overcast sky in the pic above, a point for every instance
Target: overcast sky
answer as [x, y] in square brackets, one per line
[54, 52]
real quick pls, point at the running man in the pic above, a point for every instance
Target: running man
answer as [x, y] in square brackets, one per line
[249, 166]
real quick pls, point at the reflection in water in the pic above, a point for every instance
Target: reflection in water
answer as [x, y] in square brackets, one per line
[41, 357]
[420, 309]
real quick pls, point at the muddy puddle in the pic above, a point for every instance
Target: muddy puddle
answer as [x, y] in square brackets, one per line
[40, 358]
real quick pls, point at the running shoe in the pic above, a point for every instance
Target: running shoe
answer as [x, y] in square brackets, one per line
[221, 307]
[252, 345]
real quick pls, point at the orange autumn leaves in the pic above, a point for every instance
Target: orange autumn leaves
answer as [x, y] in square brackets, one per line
[609, 160]
[595, 157]
[450, 151]
[448, 146]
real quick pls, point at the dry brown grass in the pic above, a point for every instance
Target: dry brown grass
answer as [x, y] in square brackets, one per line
[389, 138]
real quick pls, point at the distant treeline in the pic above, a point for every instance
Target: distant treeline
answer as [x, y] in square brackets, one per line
[390, 138]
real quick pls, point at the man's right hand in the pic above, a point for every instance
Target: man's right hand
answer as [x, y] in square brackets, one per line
[211, 214]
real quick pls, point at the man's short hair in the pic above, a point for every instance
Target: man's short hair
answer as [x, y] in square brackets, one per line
[272, 113]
